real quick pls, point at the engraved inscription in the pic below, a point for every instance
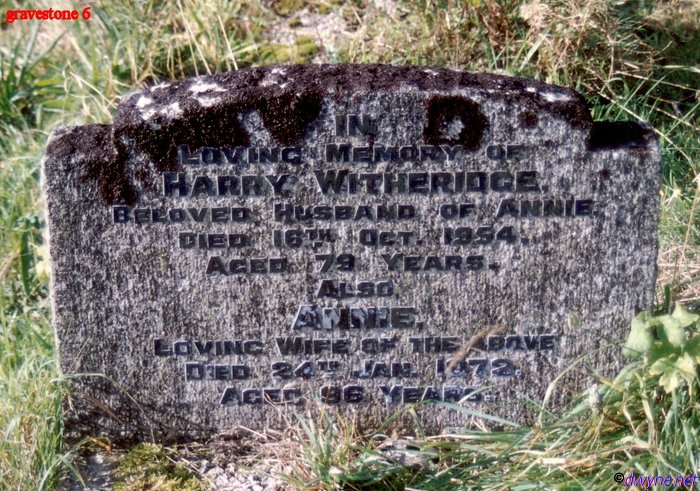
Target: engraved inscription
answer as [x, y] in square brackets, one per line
[353, 251]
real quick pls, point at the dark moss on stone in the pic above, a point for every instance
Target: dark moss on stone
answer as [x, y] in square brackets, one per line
[287, 115]
[143, 176]
[289, 105]
[200, 127]
[527, 119]
[444, 111]
[609, 135]
[575, 112]
[93, 146]
[354, 78]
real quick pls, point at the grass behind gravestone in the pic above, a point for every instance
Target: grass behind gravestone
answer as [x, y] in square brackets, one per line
[633, 60]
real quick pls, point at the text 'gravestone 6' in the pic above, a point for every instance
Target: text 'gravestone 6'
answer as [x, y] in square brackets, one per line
[240, 247]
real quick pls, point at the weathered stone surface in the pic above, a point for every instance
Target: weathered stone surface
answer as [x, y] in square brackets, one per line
[380, 220]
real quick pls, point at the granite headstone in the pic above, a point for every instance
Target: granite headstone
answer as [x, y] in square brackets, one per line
[239, 247]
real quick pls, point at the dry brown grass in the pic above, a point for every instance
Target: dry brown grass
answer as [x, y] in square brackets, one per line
[679, 267]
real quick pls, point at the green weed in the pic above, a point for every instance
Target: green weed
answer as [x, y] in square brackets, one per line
[152, 467]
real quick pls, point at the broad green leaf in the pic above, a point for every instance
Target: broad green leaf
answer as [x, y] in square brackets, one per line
[670, 380]
[662, 351]
[683, 316]
[692, 348]
[686, 365]
[639, 339]
[673, 329]
[667, 364]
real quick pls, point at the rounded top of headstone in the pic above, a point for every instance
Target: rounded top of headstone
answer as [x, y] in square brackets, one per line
[282, 105]
[285, 87]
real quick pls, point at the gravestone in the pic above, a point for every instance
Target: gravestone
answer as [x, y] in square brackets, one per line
[237, 248]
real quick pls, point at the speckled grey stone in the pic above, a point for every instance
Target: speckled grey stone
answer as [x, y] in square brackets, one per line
[523, 243]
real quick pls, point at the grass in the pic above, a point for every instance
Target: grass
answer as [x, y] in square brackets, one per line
[631, 424]
[634, 60]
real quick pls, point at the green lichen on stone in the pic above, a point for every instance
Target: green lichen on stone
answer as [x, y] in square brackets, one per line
[327, 6]
[302, 51]
[285, 8]
[306, 48]
[153, 468]
[288, 8]
[294, 22]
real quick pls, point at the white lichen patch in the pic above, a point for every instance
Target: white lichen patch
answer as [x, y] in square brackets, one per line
[198, 87]
[532, 90]
[161, 85]
[143, 101]
[207, 101]
[454, 128]
[430, 72]
[147, 114]
[275, 77]
[555, 96]
[147, 109]
[171, 110]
